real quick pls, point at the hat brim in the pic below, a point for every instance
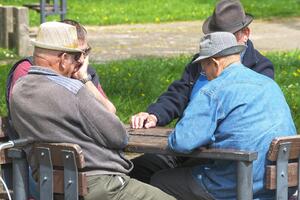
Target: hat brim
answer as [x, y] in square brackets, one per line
[56, 48]
[207, 28]
[225, 52]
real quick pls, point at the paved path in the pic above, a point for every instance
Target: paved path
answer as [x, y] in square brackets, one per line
[169, 39]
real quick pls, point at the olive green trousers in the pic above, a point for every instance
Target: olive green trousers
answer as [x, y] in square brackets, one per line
[122, 187]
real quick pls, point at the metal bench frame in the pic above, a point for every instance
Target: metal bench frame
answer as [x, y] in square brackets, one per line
[45, 8]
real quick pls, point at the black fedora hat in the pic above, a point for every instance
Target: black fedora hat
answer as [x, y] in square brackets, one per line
[229, 16]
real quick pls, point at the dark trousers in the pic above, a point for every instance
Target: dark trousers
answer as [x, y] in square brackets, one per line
[147, 165]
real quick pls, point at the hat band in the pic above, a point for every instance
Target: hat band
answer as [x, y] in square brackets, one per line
[215, 26]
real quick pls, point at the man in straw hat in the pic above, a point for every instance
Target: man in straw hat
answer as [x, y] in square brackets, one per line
[231, 111]
[21, 67]
[48, 105]
[229, 15]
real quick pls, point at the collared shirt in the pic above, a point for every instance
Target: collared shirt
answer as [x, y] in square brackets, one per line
[240, 109]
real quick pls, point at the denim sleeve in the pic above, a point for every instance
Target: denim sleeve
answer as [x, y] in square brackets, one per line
[198, 124]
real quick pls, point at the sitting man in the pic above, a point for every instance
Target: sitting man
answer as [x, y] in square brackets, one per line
[21, 67]
[51, 104]
[229, 16]
[232, 111]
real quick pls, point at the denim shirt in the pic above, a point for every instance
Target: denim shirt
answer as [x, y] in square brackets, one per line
[240, 109]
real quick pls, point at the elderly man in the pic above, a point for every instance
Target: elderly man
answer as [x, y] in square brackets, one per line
[22, 66]
[56, 102]
[229, 16]
[233, 111]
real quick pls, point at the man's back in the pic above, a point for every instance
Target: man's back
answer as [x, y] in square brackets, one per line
[249, 111]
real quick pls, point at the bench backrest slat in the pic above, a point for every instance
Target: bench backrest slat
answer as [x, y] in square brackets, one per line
[58, 179]
[56, 152]
[4, 159]
[294, 151]
[4, 127]
[282, 172]
[271, 176]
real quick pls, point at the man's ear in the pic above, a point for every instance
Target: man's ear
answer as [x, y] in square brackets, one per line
[217, 66]
[63, 61]
[246, 34]
[215, 61]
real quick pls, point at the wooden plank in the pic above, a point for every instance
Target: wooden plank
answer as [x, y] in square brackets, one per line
[144, 143]
[20, 40]
[4, 159]
[294, 150]
[271, 176]
[3, 138]
[58, 180]
[158, 131]
[3, 194]
[36, 7]
[4, 127]
[56, 155]
[6, 22]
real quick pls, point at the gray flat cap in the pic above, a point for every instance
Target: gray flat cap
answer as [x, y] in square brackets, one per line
[218, 44]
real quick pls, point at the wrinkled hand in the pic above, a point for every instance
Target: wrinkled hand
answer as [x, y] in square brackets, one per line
[143, 119]
[82, 72]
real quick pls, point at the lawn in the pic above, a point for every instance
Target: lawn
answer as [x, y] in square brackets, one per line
[133, 84]
[105, 12]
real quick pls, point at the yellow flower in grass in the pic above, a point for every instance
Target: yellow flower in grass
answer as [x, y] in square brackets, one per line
[142, 94]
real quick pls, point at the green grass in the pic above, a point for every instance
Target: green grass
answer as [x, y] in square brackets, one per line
[133, 84]
[6, 54]
[104, 12]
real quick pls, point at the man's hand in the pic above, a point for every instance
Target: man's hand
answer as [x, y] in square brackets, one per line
[82, 72]
[143, 119]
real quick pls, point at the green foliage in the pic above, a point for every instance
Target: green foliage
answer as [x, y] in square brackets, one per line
[6, 54]
[104, 12]
[4, 69]
[288, 77]
[135, 83]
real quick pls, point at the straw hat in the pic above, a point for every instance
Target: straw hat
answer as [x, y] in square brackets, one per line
[57, 36]
[218, 44]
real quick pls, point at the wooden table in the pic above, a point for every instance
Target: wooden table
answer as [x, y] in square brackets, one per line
[155, 140]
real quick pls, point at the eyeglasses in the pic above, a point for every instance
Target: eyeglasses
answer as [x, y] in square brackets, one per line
[77, 55]
[87, 51]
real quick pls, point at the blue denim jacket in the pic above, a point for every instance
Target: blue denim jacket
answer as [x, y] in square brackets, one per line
[240, 109]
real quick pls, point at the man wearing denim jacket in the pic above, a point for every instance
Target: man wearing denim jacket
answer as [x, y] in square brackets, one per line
[232, 111]
[228, 16]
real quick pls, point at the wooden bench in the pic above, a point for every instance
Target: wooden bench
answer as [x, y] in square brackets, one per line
[284, 153]
[45, 8]
[62, 164]
[60, 168]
